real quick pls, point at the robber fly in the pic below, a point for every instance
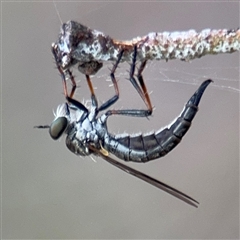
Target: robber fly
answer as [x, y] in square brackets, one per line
[87, 133]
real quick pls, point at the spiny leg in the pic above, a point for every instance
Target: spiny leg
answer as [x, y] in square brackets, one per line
[88, 68]
[107, 104]
[127, 112]
[93, 96]
[143, 90]
[74, 85]
[143, 93]
[78, 104]
[112, 100]
[63, 76]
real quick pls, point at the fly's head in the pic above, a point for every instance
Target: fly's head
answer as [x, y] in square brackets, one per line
[61, 121]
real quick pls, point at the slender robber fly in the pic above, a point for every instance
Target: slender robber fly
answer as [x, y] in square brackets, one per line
[87, 133]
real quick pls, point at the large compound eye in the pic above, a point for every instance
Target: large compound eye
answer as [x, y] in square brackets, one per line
[57, 127]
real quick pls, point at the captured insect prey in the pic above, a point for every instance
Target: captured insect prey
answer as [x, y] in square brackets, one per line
[89, 49]
[87, 133]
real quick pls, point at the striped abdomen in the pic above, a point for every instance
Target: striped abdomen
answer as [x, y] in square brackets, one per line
[143, 148]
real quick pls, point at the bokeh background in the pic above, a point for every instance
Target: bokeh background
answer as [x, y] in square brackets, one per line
[48, 192]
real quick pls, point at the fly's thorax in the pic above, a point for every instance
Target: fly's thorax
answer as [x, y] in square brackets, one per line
[76, 146]
[86, 132]
[80, 136]
[64, 122]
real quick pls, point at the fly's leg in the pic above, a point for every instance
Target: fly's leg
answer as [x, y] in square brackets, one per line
[112, 100]
[127, 112]
[73, 83]
[78, 104]
[143, 90]
[93, 96]
[91, 68]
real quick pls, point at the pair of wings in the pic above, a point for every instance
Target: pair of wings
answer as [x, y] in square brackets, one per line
[154, 182]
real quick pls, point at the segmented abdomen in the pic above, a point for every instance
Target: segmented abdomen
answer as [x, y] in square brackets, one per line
[143, 148]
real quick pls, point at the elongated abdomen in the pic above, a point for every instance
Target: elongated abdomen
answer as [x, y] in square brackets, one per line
[146, 147]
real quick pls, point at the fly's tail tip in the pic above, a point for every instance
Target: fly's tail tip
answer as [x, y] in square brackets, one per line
[209, 81]
[195, 99]
[206, 83]
[203, 87]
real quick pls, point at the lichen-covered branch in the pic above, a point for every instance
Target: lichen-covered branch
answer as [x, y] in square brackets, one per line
[187, 45]
[78, 43]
